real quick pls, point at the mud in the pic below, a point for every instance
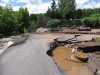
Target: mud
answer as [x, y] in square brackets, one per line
[61, 57]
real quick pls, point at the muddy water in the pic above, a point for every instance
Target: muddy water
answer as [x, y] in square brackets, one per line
[95, 64]
[62, 59]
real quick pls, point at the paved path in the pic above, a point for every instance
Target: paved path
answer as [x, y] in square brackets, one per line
[28, 59]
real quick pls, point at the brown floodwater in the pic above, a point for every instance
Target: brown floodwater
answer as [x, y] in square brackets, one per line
[61, 57]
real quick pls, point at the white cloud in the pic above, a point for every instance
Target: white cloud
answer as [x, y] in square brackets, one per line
[37, 6]
[87, 4]
[2, 4]
[34, 6]
[98, 5]
[80, 4]
[16, 8]
[40, 8]
[81, 1]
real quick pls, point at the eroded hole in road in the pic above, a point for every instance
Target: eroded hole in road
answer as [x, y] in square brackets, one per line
[50, 52]
[60, 55]
[90, 49]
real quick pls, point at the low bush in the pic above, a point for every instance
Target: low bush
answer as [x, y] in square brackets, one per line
[53, 23]
[92, 21]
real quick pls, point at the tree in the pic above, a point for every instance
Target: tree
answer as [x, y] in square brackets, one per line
[78, 14]
[23, 19]
[33, 17]
[66, 7]
[53, 5]
[92, 20]
[54, 23]
[41, 20]
[53, 11]
[7, 22]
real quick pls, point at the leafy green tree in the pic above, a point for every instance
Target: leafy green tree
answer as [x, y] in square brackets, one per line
[7, 22]
[66, 7]
[33, 17]
[53, 23]
[53, 5]
[53, 11]
[92, 20]
[23, 19]
[41, 20]
[78, 14]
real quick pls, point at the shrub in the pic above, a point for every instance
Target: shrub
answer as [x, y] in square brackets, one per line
[53, 23]
[92, 21]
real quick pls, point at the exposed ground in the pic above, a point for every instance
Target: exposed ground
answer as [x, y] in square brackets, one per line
[30, 58]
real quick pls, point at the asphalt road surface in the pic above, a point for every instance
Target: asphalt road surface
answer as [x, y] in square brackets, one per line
[28, 59]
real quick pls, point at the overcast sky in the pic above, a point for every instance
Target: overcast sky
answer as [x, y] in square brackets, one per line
[41, 6]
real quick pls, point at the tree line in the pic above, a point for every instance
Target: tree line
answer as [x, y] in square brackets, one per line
[18, 22]
[61, 13]
[66, 13]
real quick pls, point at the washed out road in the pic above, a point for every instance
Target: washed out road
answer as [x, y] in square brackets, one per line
[28, 59]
